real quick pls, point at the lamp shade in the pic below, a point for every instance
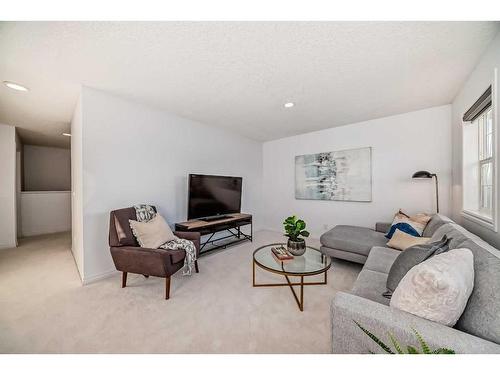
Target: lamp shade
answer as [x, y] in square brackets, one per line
[422, 174]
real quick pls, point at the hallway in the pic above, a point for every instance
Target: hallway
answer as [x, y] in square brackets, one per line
[40, 270]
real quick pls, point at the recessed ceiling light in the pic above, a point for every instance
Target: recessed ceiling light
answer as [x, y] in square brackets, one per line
[289, 105]
[66, 134]
[15, 86]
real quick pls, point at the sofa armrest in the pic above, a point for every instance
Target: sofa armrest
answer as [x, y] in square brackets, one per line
[381, 319]
[153, 262]
[191, 236]
[382, 227]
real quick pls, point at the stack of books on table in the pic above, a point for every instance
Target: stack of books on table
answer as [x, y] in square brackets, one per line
[280, 254]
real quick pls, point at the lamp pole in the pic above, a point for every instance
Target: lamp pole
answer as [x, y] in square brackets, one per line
[437, 192]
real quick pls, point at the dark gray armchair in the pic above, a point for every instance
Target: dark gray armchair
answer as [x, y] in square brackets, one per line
[129, 257]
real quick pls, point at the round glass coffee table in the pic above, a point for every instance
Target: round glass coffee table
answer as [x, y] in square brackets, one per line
[311, 263]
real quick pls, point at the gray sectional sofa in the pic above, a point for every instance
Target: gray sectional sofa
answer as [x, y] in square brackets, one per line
[477, 331]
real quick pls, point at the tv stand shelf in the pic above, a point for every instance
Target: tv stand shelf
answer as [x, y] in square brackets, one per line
[232, 223]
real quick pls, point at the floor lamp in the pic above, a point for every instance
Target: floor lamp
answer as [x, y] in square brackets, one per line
[425, 174]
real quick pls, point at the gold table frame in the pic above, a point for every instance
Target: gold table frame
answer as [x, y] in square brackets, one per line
[300, 301]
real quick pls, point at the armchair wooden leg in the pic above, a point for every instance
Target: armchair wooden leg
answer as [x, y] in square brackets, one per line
[196, 266]
[124, 279]
[167, 287]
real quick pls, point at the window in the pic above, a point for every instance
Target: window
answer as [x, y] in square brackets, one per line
[485, 126]
[479, 162]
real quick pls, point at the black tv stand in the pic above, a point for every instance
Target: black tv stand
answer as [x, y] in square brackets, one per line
[215, 218]
[231, 224]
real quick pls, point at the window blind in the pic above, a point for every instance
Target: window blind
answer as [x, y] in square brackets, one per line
[479, 106]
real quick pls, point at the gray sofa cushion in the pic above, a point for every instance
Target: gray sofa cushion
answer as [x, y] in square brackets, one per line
[370, 285]
[409, 258]
[381, 259]
[345, 255]
[436, 221]
[454, 232]
[383, 227]
[354, 239]
[482, 313]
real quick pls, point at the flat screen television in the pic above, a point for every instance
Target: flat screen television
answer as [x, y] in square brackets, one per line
[213, 195]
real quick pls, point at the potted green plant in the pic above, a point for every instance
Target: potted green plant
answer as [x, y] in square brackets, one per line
[400, 349]
[294, 230]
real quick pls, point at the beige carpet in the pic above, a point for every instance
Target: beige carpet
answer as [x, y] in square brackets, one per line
[44, 308]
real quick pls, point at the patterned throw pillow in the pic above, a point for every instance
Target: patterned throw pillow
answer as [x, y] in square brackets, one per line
[439, 288]
[144, 212]
[413, 225]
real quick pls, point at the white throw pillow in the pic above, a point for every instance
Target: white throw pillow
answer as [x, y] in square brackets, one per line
[437, 289]
[153, 233]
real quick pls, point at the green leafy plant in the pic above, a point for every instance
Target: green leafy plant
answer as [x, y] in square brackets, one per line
[294, 228]
[398, 348]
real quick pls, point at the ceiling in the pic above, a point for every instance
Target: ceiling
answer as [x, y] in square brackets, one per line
[236, 75]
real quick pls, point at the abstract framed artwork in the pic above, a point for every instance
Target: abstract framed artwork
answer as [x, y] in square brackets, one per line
[337, 176]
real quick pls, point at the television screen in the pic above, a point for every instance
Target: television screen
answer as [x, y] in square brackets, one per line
[213, 195]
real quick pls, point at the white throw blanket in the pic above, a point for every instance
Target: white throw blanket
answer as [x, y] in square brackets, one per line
[145, 212]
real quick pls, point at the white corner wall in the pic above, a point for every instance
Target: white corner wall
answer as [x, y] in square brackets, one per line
[401, 145]
[8, 215]
[133, 154]
[45, 212]
[481, 77]
[77, 187]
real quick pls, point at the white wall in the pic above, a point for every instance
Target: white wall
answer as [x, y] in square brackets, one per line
[401, 145]
[77, 187]
[7, 186]
[478, 81]
[46, 168]
[19, 152]
[136, 154]
[18, 193]
[44, 212]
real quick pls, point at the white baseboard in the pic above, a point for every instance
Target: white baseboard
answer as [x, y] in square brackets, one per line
[36, 233]
[101, 276]
[11, 246]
